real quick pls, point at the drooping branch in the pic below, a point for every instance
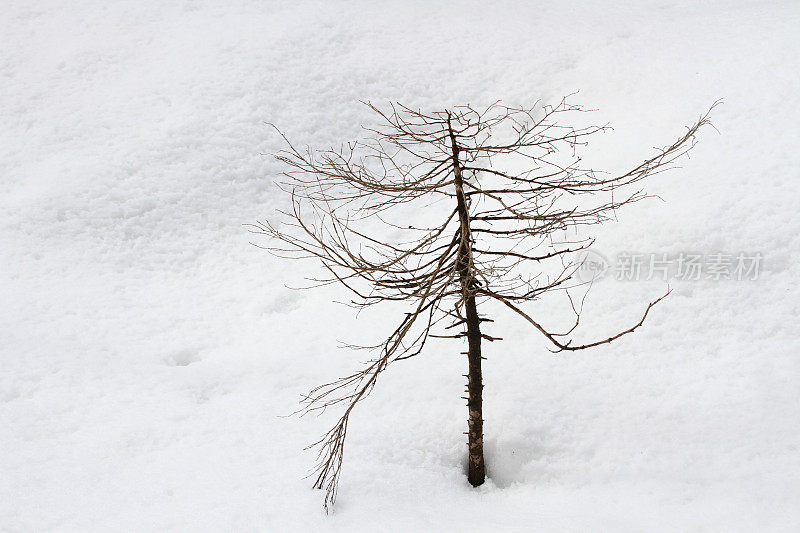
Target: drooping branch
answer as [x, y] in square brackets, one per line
[562, 346]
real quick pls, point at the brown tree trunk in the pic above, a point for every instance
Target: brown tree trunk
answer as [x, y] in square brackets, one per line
[477, 469]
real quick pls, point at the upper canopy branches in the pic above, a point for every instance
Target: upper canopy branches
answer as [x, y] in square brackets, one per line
[521, 176]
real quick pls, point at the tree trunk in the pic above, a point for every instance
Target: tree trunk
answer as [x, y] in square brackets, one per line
[477, 469]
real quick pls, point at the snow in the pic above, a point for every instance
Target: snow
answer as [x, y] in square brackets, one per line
[148, 353]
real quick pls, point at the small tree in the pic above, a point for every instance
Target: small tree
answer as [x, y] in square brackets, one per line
[442, 212]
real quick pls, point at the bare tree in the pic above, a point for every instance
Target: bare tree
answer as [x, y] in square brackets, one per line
[443, 211]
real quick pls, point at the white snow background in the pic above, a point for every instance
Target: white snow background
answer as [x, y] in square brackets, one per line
[148, 351]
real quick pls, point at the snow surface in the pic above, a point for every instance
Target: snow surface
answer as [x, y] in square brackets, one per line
[147, 351]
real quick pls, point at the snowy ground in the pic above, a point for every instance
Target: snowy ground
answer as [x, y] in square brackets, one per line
[147, 351]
